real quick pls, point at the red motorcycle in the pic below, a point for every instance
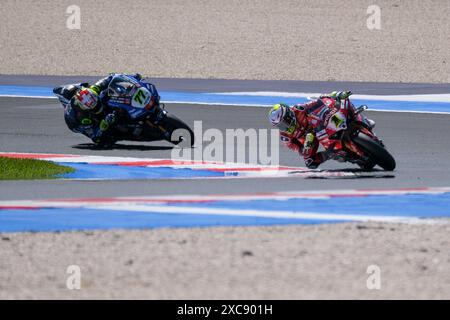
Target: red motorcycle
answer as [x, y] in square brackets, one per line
[346, 136]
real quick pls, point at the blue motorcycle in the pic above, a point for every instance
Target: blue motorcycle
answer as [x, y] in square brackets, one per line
[141, 116]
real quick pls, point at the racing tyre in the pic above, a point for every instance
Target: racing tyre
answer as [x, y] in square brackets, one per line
[375, 151]
[367, 166]
[177, 132]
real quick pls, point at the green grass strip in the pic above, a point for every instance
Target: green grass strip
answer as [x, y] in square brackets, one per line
[28, 169]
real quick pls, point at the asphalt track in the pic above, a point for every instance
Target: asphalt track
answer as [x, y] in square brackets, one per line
[229, 85]
[418, 142]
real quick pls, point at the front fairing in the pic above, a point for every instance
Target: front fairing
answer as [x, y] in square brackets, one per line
[124, 104]
[329, 120]
[128, 94]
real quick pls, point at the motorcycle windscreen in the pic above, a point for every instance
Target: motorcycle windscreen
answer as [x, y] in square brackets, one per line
[120, 87]
[126, 94]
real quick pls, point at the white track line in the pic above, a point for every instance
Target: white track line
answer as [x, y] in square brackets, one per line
[442, 97]
[269, 214]
[405, 98]
[277, 196]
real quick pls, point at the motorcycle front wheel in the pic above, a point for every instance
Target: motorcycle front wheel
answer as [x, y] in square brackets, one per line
[375, 151]
[176, 131]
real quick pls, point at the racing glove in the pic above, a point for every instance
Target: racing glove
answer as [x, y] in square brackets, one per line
[341, 95]
[109, 121]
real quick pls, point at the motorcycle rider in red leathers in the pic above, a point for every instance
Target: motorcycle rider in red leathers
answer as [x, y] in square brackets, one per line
[298, 125]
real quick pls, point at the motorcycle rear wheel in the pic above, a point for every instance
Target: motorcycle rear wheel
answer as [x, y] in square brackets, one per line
[375, 151]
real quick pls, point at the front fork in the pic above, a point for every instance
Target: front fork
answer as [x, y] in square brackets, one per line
[161, 113]
[359, 116]
[155, 120]
[355, 154]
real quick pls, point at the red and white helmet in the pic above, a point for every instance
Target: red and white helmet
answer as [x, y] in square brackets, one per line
[87, 99]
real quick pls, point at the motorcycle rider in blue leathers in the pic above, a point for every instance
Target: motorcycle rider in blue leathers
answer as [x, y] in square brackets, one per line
[86, 108]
